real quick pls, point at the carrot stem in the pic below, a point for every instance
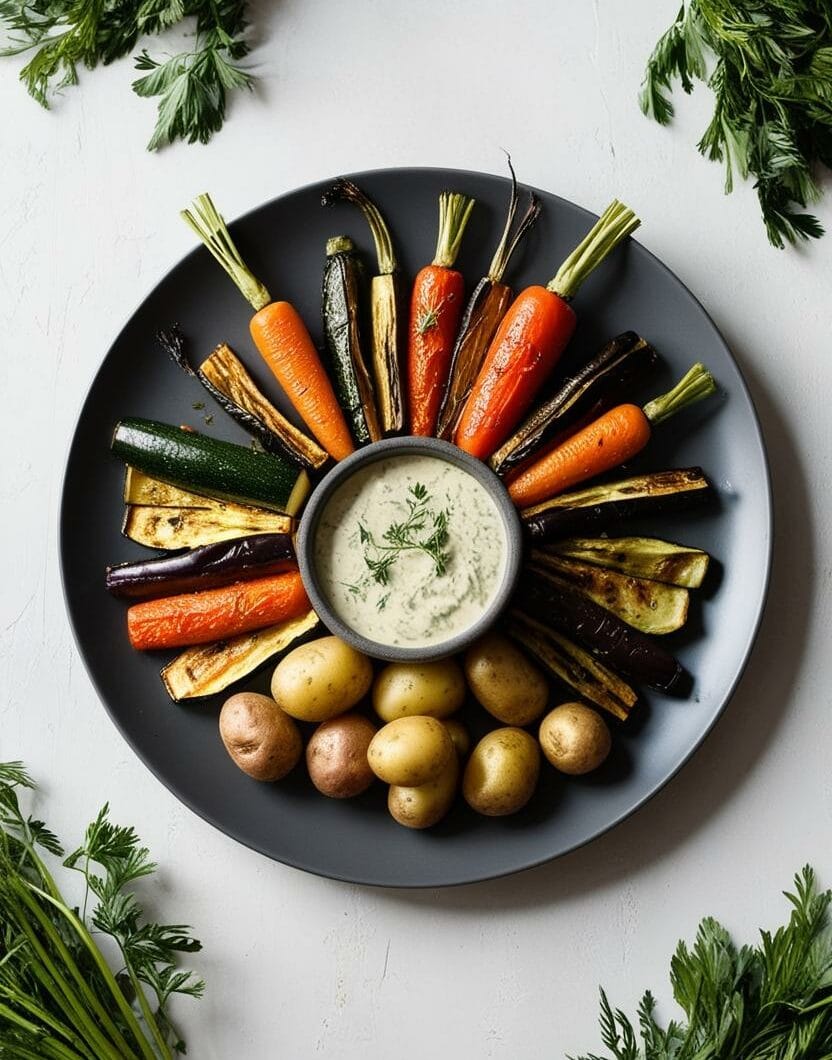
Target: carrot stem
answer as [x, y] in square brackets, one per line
[613, 226]
[349, 192]
[695, 384]
[209, 225]
[454, 211]
[507, 245]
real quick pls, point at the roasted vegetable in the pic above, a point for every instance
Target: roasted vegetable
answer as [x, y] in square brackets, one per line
[573, 666]
[609, 638]
[341, 311]
[207, 567]
[211, 668]
[596, 507]
[210, 466]
[639, 557]
[652, 607]
[199, 618]
[486, 308]
[388, 318]
[173, 528]
[607, 442]
[617, 367]
[225, 378]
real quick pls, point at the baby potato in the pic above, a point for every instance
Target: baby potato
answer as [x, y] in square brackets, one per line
[427, 804]
[262, 741]
[432, 689]
[459, 736]
[336, 756]
[502, 772]
[575, 738]
[319, 680]
[506, 683]
[410, 751]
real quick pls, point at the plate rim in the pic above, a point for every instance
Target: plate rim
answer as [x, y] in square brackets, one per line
[528, 864]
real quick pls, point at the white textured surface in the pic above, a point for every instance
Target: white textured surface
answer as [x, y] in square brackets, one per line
[297, 965]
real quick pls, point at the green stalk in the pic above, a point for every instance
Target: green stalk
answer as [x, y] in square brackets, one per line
[349, 192]
[39, 1013]
[613, 226]
[209, 225]
[75, 1017]
[149, 1019]
[695, 384]
[454, 211]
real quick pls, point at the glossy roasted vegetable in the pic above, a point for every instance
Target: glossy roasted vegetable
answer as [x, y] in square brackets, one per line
[173, 527]
[651, 606]
[639, 557]
[618, 366]
[341, 311]
[211, 668]
[206, 567]
[600, 506]
[573, 665]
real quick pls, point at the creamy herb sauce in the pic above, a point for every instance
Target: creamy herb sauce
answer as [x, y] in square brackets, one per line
[418, 605]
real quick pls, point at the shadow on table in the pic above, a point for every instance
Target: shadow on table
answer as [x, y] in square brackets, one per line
[738, 740]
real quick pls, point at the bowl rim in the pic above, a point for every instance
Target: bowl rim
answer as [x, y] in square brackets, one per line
[370, 454]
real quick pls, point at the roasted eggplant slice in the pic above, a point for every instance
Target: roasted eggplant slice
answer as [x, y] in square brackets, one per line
[639, 557]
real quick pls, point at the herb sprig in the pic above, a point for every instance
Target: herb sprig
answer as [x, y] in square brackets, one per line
[402, 537]
[772, 1001]
[769, 65]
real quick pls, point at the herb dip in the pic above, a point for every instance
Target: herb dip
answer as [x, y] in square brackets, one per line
[410, 551]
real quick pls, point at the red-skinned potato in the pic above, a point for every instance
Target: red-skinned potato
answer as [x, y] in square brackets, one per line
[261, 739]
[336, 756]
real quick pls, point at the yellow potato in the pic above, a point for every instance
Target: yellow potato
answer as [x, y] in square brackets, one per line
[575, 738]
[410, 751]
[262, 741]
[459, 736]
[336, 756]
[506, 683]
[427, 804]
[322, 679]
[502, 772]
[432, 689]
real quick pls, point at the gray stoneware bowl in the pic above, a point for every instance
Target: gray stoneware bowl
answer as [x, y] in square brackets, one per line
[382, 451]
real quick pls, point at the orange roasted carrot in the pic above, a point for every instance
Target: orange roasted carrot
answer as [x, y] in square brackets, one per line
[435, 312]
[531, 338]
[198, 618]
[280, 335]
[602, 445]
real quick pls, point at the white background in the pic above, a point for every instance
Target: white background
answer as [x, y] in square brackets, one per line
[296, 965]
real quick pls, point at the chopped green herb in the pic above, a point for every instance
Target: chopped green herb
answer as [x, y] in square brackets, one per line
[401, 537]
[198, 405]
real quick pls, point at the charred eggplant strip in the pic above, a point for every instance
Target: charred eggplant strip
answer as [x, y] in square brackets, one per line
[388, 309]
[226, 379]
[573, 666]
[210, 668]
[609, 638]
[638, 557]
[206, 567]
[599, 506]
[169, 527]
[341, 311]
[486, 308]
[649, 606]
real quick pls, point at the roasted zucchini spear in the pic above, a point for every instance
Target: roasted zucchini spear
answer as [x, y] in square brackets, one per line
[607, 379]
[341, 310]
[486, 308]
[170, 527]
[597, 507]
[388, 310]
[639, 557]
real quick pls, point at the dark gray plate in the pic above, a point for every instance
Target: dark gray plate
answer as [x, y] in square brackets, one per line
[283, 241]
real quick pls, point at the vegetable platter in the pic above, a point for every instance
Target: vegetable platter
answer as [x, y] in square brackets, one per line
[689, 640]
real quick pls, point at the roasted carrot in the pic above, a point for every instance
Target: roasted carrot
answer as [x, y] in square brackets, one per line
[602, 445]
[280, 335]
[531, 338]
[198, 618]
[435, 311]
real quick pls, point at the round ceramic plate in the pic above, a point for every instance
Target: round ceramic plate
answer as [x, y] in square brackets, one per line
[356, 840]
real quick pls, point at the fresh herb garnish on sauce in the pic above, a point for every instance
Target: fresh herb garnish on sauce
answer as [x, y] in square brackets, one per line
[407, 537]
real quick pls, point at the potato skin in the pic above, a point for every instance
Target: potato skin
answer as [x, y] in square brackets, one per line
[321, 679]
[410, 751]
[459, 736]
[506, 683]
[426, 805]
[502, 772]
[432, 689]
[575, 738]
[261, 740]
[336, 756]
